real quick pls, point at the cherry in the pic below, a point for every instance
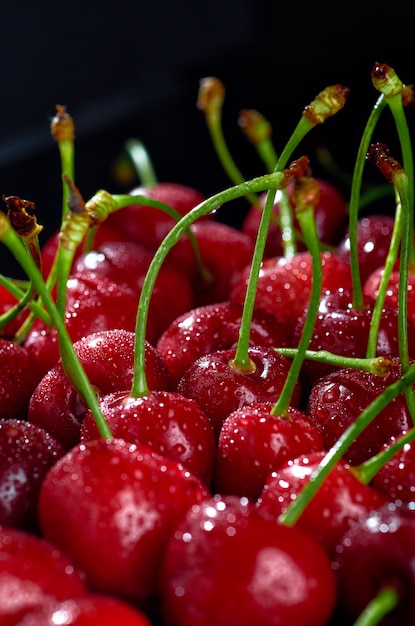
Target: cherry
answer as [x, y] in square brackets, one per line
[33, 572]
[343, 329]
[397, 477]
[108, 360]
[220, 388]
[330, 217]
[338, 398]
[88, 610]
[26, 454]
[371, 287]
[93, 304]
[127, 263]
[7, 302]
[19, 378]
[167, 422]
[374, 235]
[284, 285]
[224, 563]
[374, 566]
[253, 442]
[339, 502]
[147, 225]
[210, 328]
[112, 505]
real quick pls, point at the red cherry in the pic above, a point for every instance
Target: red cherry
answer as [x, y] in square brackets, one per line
[211, 328]
[148, 225]
[219, 388]
[374, 234]
[397, 477]
[253, 442]
[284, 285]
[94, 304]
[340, 501]
[18, 376]
[330, 216]
[377, 553]
[112, 505]
[7, 301]
[225, 564]
[33, 572]
[127, 263]
[89, 610]
[344, 330]
[337, 399]
[167, 422]
[108, 361]
[224, 252]
[27, 452]
[371, 288]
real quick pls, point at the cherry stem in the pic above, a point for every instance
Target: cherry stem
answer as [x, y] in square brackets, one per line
[62, 130]
[379, 365]
[386, 600]
[306, 196]
[354, 202]
[73, 367]
[141, 160]
[369, 468]
[259, 132]
[210, 100]
[256, 185]
[297, 506]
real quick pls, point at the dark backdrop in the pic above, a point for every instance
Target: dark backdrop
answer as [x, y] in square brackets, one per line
[132, 69]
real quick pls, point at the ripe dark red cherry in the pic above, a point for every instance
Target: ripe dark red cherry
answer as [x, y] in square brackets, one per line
[108, 361]
[18, 376]
[253, 442]
[220, 388]
[340, 501]
[225, 564]
[27, 452]
[112, 505]
[211, 328]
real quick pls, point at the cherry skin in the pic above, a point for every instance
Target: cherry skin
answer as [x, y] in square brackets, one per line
[340, 501]
[108, 360]
[19, 378]
[337, 399]
[253, 442]
[377, 553]
[127, 263]
[219, 388]
[330, 216]
[118, 533]
[93, 304]
[27, 452]
[33, 572]
[344, 330]
[226, 564]
[374, 234]
[167, 422]
[397, 477]
[88, 610]
[210, 328]
[224, 253]
[148, 226]
[371, 288]
[284, 285]
[7, 301]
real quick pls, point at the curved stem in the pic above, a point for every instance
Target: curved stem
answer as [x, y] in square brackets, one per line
[380, 607]
[269, 181]
[143, 165]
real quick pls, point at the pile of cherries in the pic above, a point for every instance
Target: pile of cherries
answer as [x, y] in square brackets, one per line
[209, 425]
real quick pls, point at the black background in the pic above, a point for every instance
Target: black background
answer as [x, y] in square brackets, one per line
[132, 69]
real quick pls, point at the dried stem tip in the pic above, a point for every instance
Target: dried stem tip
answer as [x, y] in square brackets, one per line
[255, 126]
[379, 154]
[385, 80]
[327, 103]
[62, 127]
[24, 224]
[211, 95]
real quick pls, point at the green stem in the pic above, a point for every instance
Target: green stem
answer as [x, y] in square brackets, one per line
[293, 512]
[256, 185]
[70, 361]
[380, 607]
[379, 366]
[354, 202]
[306, 219]
[143, 165]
